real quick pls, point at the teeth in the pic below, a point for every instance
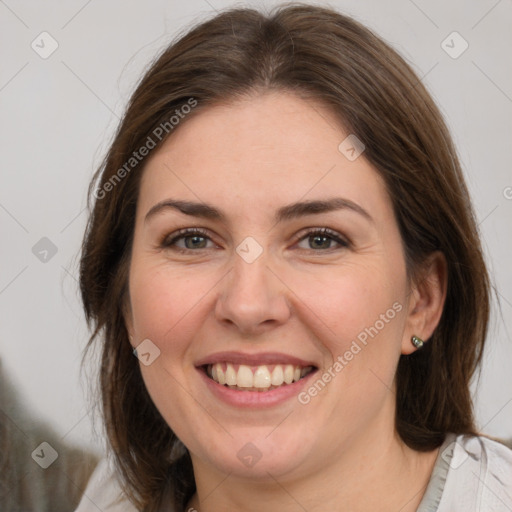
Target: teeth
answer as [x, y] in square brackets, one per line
[277, 375]
[230, 375]
[288, 374]
[221, 376]
[262, 379]
[245, 377]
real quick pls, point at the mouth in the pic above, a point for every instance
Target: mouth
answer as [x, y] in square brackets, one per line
[261, 378]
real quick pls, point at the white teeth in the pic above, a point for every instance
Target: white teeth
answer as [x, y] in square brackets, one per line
[261, 380]
[262, 377]
[288, 373]
[277, 375]
[230, 375]
[245, 377]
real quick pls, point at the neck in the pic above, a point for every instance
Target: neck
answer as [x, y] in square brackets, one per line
[380, 474]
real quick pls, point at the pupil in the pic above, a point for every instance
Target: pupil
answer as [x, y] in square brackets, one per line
[194, 240]
[324, 238]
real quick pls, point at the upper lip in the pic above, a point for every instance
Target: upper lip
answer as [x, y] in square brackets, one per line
[253, 359]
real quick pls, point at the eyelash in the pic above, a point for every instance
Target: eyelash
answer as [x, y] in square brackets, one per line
[170, 240]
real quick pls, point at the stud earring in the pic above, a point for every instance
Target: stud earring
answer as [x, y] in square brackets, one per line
[417, 342]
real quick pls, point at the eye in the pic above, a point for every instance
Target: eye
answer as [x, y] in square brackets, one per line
[189, 239]
[192, 238]
[322, 239]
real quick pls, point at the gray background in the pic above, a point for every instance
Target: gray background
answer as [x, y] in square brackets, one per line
[58, 115]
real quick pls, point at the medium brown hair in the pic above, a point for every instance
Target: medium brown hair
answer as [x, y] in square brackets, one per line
[320, 55]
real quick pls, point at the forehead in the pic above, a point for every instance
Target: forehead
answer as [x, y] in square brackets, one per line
[257, 154]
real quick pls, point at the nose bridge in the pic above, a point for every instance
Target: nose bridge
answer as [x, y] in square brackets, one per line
[251, 294]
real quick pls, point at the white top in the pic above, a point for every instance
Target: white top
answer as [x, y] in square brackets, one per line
[471, 474]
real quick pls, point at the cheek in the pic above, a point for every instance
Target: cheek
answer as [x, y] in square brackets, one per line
[354, 302]
[161, 301]
[362, 319]
[165, 308]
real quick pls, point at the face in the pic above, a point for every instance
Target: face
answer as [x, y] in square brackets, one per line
[277, 313]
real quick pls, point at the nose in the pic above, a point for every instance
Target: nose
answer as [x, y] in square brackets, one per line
[253, 298]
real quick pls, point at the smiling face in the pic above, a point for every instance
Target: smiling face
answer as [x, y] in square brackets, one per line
[267, 291]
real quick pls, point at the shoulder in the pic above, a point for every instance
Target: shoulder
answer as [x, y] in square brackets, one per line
[478, 474]
[103, 492]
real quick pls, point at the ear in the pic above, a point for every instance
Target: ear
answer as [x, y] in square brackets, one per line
[426, 301]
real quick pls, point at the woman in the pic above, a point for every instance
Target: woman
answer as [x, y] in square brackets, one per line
[282, 235]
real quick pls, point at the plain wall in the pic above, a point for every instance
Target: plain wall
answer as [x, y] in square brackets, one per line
[58, 115]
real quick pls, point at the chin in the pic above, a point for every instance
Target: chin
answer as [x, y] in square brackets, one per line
[255, 454]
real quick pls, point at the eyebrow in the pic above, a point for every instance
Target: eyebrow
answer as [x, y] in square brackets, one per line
[285, 213]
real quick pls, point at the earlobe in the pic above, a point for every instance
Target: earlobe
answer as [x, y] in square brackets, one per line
[417, 342]
[427, 298]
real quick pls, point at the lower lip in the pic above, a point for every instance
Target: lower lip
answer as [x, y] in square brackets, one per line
[255, 399]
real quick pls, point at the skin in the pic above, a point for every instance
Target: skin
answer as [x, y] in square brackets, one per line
[341, 449]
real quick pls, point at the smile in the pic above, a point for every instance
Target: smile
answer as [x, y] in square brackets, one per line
[256, 378]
